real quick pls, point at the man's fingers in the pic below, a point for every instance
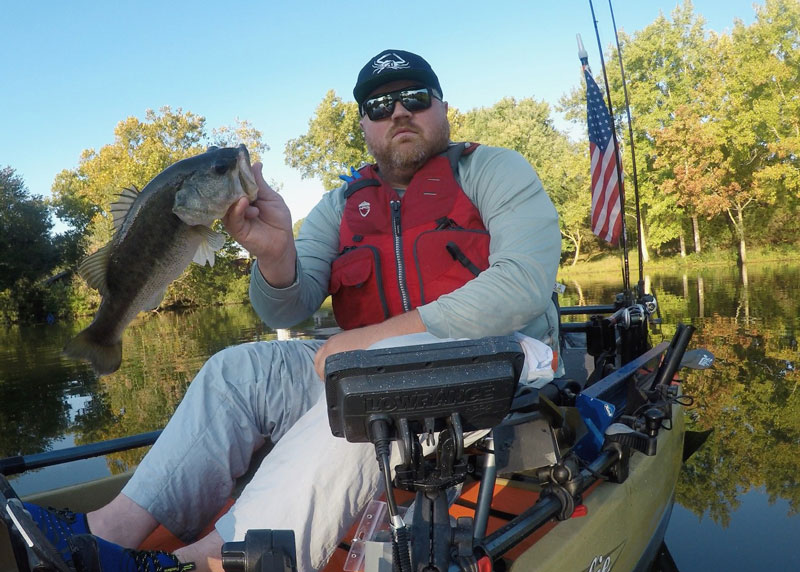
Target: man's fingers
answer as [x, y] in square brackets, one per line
[264, 190]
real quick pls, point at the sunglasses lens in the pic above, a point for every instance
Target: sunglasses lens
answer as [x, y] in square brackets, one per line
[416, 99]
[379, 107]
[382, 106]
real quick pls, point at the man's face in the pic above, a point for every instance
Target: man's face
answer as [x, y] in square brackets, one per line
[404, 141]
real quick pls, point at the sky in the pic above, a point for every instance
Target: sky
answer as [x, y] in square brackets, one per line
[70, 71]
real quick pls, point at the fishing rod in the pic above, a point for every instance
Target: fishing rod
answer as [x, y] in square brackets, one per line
[618, 159]
[639, 231]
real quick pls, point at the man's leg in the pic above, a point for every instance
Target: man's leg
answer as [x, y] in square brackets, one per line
[312, 483]
[242, 396]
[122, 522]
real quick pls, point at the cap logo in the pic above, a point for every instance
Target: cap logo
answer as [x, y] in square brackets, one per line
[363, 208]
[389, 62]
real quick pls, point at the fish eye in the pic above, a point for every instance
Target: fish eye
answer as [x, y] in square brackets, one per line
[220, 168]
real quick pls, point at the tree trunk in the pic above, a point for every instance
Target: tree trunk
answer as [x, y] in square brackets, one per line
[645, 256]
[577, 251]
[683, 245]
[696, 232]
[576, 242]
[738, 227]
[742, 247]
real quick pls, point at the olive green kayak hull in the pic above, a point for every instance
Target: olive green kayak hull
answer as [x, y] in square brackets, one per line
[624, 523]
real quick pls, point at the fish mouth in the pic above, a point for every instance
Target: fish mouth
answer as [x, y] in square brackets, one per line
[246, 178]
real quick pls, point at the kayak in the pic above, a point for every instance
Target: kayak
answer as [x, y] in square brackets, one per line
[578, 473]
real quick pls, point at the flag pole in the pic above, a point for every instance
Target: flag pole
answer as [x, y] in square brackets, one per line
[626, 267]
[639, 230]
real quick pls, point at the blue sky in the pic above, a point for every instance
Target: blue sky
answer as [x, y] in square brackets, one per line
[72, 70]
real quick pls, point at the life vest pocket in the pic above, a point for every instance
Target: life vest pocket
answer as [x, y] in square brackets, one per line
[356, 288]
[447, 259]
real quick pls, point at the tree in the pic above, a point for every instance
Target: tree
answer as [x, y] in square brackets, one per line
[776, 39]
[760, 88]
[26, 250]
[690, 152]
[333, 143]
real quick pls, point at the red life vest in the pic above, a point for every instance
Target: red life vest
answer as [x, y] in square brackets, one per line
[398, 254]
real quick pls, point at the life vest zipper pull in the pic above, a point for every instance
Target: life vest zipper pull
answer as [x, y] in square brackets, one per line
[398, 254]
[396, 217]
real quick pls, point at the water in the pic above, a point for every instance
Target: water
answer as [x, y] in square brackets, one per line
[737, 499]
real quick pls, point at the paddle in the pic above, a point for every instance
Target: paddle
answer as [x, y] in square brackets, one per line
[22, 463]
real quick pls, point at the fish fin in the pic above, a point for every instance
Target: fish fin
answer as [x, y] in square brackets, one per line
[122, 206]
[693, 440]
[212, 241]
[155, 300]
[105, 359]
[93, 269]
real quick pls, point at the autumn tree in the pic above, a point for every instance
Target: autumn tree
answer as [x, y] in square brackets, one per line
[696, 171]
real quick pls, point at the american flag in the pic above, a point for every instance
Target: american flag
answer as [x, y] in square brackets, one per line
[606, 212]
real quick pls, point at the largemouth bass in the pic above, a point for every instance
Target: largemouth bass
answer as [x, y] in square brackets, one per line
[158, 232]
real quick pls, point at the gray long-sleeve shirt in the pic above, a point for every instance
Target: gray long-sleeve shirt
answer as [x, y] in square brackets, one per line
[513, 294]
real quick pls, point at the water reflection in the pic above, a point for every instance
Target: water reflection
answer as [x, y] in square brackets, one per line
[749, 319]
[49, 402]
[751, 397]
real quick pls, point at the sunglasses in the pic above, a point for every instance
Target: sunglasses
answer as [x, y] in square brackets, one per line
[413, 99]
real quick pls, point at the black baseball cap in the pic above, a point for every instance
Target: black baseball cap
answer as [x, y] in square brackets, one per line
[391, 65]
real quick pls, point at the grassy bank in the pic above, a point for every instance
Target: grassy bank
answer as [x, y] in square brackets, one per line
[612, 265]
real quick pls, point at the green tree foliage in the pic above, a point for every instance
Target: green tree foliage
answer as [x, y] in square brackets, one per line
[28, 253]
[142, 149]
[733, 98]
[333, 143]
[26, 250]
[665, 63]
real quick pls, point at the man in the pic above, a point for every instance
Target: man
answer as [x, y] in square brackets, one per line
[454, 240]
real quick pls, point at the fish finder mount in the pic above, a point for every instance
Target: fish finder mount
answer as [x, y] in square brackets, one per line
[432, 395]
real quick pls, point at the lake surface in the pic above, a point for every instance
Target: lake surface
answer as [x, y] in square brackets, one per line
[738, 497]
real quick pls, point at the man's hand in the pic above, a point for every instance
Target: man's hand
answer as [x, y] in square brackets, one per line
[362, 338]
[264, 228]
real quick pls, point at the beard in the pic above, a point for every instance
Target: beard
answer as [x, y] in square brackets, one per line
[398, 161]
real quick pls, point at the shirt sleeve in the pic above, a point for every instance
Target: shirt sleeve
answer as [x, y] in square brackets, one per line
[317, 246]
[524, 252]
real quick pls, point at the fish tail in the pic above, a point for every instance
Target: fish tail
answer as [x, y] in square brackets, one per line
[105, 358]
